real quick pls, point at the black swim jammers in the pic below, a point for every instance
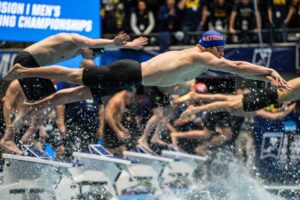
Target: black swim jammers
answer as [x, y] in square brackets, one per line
[259, 99]
[119, 75]
[33, 88]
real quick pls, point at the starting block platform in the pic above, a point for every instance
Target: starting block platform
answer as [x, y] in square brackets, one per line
[96, 173]
[176, 168]
[31, 175]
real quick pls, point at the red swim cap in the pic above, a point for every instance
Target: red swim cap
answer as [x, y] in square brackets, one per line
[200, 88]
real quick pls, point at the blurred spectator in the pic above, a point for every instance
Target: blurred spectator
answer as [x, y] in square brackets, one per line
[242, 23]
[219, 15]
[265, 24]
[168, 22]
[280, 13]
[296, 4]
[193, 17]
[142, 20]
[113, 15]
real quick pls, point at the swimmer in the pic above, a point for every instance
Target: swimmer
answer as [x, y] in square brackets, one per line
[166, 69]
[245, 104]
[57, 48]
[61, 47]
[13, 107]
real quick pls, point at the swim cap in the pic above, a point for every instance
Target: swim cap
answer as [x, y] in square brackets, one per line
[200, 88]
[212, 39]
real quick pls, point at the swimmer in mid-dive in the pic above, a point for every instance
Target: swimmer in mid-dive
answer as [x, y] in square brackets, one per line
[244, 104]
[54, 49]
[166, 69]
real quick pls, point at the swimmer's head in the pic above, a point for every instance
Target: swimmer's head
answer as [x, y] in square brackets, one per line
[214, 42]
[200, 88]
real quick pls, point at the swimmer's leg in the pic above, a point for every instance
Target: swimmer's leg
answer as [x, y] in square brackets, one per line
[62, 97]
[224, 134]
[8, 144]
[150, 126]
[52, 72]
[193, 134]
[161, 126]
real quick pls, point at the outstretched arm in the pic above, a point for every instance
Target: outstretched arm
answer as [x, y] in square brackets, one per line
[275, 115]
[244, 69]
[187, 97]
[231, 103]
[83, 41]
[137, 43]
[193, 96]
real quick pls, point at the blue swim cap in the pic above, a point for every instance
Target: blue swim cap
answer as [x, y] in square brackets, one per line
[212, 39]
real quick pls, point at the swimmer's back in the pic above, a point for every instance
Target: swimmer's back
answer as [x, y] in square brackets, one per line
[170, 68]
[53, 49]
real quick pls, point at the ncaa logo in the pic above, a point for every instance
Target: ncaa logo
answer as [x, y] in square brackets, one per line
[262, 56]
[271, 145]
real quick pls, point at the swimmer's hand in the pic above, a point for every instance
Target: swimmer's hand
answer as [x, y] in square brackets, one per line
[187, 113]
[276, 80]
[191, 96]
[137, 43]
[121, 39]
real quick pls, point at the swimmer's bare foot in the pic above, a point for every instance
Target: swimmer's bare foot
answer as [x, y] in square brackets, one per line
[38, 144]
[145, 145]
[173, 138]
[201, 150]
[157, 140]
[14, 73]
[9, 146]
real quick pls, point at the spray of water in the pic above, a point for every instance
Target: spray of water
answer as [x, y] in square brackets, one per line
[228, 180]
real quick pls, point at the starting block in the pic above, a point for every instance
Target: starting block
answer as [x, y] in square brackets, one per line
[182, 172]
[122, 174]
[28, 176]
[175, 167]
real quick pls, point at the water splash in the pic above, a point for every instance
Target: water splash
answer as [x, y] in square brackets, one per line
[228, 180]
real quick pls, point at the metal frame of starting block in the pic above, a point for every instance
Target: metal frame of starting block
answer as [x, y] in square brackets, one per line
[176, 168]
[119, 174]
[27, 177]
[160, 164]
[183, 170]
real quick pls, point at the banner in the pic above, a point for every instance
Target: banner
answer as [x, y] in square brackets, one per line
[33, 20]
[278, 148]
[6, 60]
[280, 58]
